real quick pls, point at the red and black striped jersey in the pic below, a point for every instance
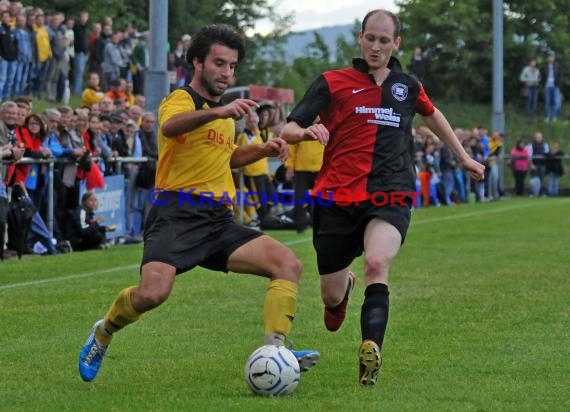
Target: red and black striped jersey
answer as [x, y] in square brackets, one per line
[370, 146]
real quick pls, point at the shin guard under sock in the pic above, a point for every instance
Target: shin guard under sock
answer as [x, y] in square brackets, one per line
[374, 315]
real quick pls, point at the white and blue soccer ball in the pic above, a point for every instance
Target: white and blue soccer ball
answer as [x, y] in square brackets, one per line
[272, 371]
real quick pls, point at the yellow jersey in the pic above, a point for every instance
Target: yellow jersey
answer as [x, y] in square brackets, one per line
[305, 156]
[259, 168]
[199, 160]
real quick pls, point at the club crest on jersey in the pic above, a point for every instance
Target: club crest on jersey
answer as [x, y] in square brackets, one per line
[399, 91]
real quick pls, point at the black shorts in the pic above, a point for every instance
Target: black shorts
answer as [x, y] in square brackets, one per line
[338, 231]
[186, 236]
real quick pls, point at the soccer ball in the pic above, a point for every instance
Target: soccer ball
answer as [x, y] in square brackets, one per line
[272, 371]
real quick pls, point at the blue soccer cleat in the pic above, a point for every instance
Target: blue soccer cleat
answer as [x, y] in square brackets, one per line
[91, 355]
[306, 358]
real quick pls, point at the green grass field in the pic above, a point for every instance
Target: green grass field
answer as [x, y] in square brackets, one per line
[479, 322]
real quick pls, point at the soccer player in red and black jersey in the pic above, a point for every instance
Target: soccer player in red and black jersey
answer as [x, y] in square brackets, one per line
[363, 192]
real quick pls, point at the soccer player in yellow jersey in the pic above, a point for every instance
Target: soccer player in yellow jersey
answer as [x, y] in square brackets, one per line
[196, 155]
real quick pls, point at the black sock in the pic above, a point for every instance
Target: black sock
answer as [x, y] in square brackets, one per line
[374, 314]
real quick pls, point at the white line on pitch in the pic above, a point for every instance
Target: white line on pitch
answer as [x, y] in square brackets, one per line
[69, 277]
[289, 243]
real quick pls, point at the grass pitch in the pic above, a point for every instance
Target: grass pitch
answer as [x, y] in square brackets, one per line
[479, 321]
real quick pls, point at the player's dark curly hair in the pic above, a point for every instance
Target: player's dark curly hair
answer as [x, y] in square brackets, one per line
[222, 34]
[388, 13]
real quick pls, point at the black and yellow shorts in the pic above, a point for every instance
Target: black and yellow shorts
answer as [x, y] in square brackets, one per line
[338, 231]
[185, 235]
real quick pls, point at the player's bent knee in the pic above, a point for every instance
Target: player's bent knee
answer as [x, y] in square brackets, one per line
[288, 267]
[375, 266]
[149, 298]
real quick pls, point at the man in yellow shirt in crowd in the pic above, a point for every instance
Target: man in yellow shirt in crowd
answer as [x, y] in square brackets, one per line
[92, 93]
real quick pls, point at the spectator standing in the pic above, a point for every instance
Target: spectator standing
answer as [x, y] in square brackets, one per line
[447, 165]
[57, 51]
[34, 175]
[495, 157]
[417, 65]
[81, 49]
[97, 42]
[25, 56]
[67, 30]
[140, 60]
[189, 70]
[8, 137]
[520, 164]
[551, 75]
[537, 151]
[7, 152]
[64, 66]
[112, 59]
[256, 174]
[44, 55]
[32, 68]
[180, 64]
[554, 168]
[126, 50]
[146, 172]
[303, 164]
[8, 56]
[266, 112]
[530, 77]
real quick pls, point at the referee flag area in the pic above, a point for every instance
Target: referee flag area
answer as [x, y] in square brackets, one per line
[479, 322]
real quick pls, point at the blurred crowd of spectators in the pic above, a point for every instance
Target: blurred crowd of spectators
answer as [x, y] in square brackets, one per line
[52, 57]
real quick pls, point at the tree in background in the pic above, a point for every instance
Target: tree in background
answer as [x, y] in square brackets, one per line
[457, 38]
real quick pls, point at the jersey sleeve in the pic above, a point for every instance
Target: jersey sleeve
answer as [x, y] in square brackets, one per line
[315, 99]
[179, 101]
[424, 106]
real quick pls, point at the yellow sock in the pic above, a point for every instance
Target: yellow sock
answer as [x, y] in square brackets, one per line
[280, 307]
[120, 315]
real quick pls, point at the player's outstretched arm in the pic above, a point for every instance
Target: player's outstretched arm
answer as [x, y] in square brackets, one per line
[442, 129]
[188, 121]
[293, 133]
[245, 155]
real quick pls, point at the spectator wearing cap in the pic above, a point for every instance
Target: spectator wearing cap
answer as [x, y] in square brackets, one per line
[266, 111]
[188, 68]
[115, 91]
